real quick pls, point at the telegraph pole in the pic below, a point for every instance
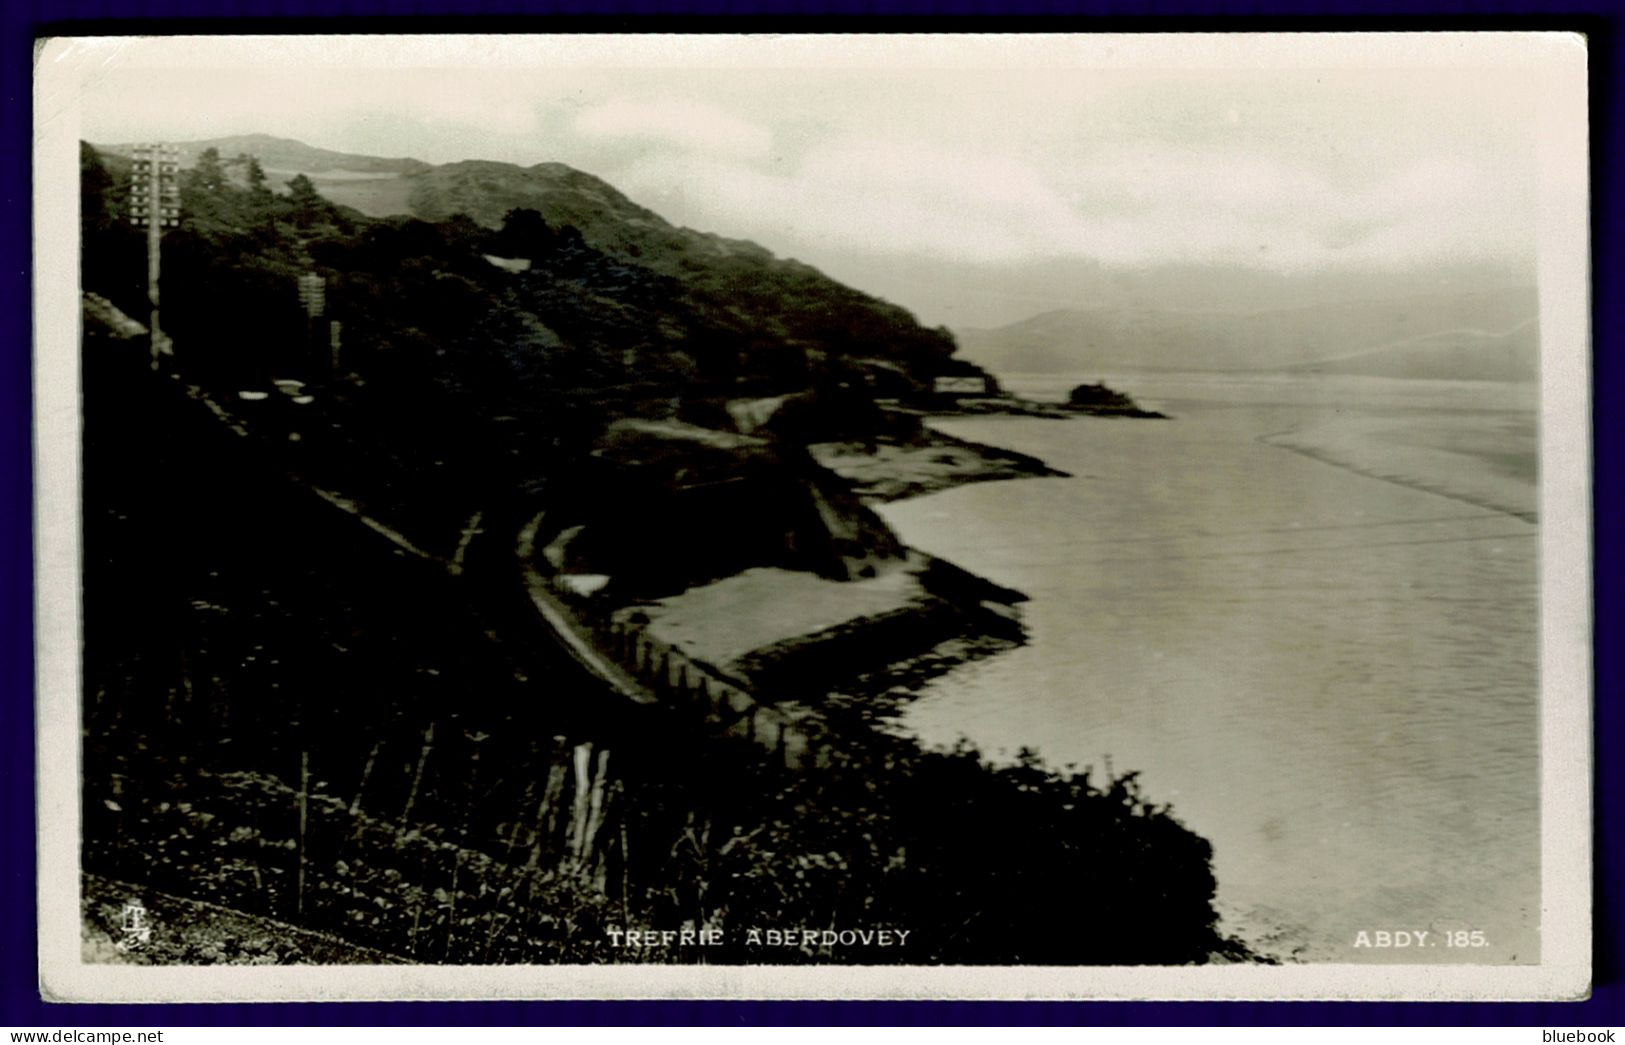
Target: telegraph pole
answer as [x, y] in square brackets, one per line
[155, 201]
[334, 344]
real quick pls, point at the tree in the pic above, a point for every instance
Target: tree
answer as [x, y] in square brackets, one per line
[95, 184]
[208, 174]
[307, 202]
[256, 177]
[112, 254]
[525, 234]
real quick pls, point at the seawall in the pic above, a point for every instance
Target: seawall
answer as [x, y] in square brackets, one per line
[620, 650]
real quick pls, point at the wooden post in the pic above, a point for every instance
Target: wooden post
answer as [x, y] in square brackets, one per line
[155, 231]
[513, 836]
[547, 815]
[366, 771]
[491, 934]
[626, 863]
[451, 913]
[417, 778]
[595, 808]
[304, 801]
[583, 793]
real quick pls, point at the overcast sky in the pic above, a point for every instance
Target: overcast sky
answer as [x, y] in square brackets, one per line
[1287, 154]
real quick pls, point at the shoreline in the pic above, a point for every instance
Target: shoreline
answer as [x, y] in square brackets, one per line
[777, 657]
[938, 461]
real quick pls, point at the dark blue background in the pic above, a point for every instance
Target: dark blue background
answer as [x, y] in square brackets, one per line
[25, 19]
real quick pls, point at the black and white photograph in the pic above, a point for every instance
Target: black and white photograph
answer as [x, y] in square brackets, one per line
[844, 516]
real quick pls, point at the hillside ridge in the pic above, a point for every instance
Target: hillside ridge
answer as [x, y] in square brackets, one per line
[282, 154]
[1489, 333]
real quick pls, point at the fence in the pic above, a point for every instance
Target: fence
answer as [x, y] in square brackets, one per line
[727, 708]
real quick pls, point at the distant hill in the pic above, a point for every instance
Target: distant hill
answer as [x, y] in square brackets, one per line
[375, 186]
[1487, 334]
[1509, 355]
[285, 154]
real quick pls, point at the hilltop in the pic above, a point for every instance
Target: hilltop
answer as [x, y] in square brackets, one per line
[283, 154]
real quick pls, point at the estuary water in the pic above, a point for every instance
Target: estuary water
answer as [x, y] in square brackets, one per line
[1305, 611]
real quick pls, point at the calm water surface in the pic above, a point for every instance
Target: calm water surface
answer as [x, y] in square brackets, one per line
[1331, 675]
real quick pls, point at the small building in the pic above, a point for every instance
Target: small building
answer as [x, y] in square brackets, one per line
[507, 264]
[961, 386]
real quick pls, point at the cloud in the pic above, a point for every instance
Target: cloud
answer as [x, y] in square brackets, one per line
[1292, 212]
[685, 124]
[1122, 205]
[862, 194]
[432, 115]
[993, 168]
[499, 112]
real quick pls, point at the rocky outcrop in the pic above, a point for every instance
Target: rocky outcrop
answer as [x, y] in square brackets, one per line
[1100, 401]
